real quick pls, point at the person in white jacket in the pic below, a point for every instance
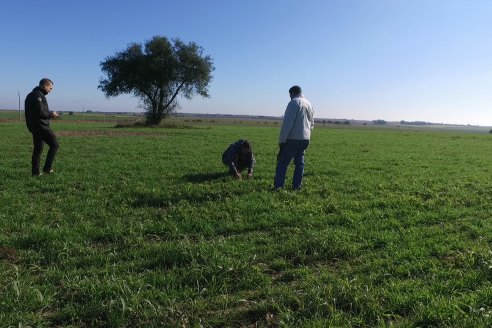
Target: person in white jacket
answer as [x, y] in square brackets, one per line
[294, 138]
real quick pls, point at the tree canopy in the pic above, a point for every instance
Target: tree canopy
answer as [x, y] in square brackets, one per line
[157, 73]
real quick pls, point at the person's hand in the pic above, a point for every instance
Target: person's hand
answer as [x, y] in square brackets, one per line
[250, 175]
[280, 146]
[54, 114]
[238, 176]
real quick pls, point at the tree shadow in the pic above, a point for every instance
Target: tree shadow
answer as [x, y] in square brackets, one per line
[205, 177]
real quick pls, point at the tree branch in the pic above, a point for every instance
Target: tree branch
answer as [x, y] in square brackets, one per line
[174, 95]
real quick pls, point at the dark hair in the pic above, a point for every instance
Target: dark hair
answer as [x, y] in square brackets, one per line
[45, 81]
[246, 144]
[295, 90]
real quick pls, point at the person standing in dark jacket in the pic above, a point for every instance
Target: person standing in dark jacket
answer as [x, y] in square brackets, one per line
[38, 118]
[239, 156]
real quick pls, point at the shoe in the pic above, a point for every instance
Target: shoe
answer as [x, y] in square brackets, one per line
[48, 171]
[37, 174]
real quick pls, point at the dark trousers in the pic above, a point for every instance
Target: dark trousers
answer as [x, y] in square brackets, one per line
[39, 138]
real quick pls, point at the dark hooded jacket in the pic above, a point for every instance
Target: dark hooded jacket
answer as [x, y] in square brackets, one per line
[236, 160]
[36, 110]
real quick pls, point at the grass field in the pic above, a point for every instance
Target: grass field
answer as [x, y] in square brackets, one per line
[78, 117]
[143, 228]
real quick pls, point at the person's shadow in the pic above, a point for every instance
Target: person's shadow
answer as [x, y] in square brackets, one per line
[205, 177]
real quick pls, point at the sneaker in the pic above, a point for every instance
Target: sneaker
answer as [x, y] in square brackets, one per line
[48, 171]
[37, 174]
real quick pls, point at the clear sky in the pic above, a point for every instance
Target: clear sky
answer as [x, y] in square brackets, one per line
[413, 60]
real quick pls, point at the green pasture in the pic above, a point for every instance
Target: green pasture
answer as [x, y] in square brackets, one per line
[143, 228]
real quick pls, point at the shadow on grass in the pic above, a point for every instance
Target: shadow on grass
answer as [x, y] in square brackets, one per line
[165, 201]
[152, 200]
[205, 177]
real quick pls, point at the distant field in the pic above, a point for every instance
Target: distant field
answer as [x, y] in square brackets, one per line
[198, 120]
[75, 116]
[143, 228]
[115, 118]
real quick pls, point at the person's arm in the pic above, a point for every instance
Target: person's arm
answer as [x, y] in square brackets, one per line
[251, 164]
[42, 107]
[232, 167]
[311, 117]
[230, 159]
[288, 122]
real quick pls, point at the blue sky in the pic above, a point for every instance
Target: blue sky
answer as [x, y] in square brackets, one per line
[425, 60]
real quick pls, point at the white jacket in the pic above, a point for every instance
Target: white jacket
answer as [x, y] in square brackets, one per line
[298, 120]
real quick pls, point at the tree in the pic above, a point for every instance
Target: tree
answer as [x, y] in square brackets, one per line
[157, 74]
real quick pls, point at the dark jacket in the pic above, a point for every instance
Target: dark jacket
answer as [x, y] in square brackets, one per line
[36, 110]
[236, 160]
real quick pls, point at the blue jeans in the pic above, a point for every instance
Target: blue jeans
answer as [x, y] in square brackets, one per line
[291, 149]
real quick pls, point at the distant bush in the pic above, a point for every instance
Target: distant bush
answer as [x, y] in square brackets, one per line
[174, 125]
[142, 124]
[129, 124]
[490, 131]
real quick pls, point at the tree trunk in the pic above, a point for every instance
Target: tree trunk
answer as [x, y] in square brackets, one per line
[153, 116]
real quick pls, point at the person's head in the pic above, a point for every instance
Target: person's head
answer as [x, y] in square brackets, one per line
[246, 147]
[295, 91]
[46, 85]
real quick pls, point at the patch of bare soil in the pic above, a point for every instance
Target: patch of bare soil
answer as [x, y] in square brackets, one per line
[8, 254]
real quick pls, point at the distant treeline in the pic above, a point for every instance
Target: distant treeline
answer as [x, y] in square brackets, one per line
[415, 123]
[336, 122]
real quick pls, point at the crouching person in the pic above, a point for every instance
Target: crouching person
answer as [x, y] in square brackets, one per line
[238, 157]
